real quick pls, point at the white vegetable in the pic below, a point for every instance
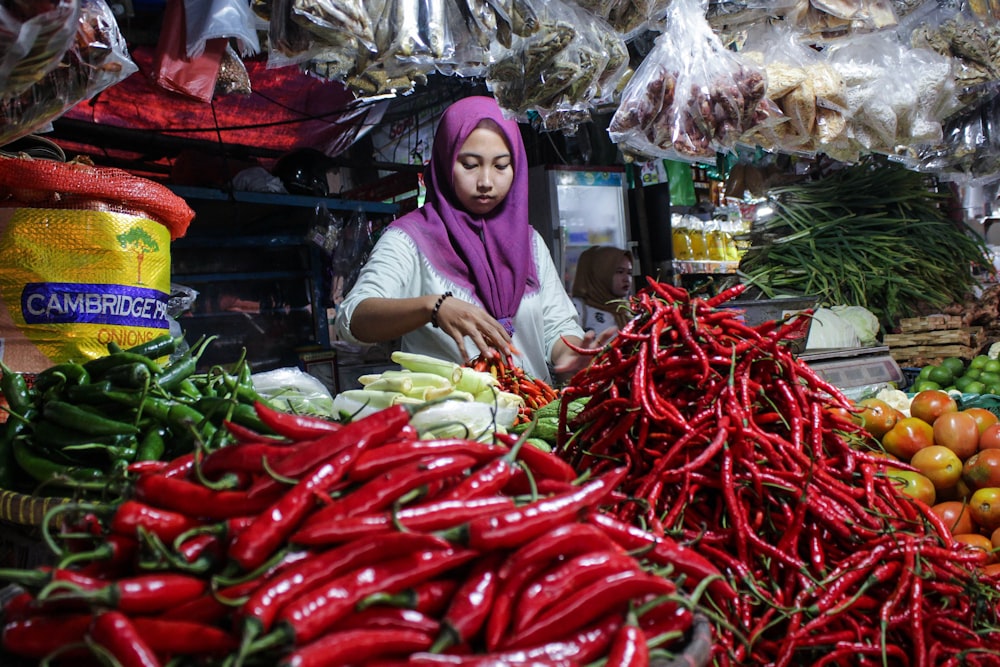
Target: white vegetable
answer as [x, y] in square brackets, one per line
[830, 331]
[864, 321]
[896, 398]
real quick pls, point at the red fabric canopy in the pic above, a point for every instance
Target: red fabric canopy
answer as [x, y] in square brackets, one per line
[287, 109]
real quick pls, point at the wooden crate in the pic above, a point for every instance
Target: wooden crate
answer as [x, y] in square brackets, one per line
[930, 323]
[966, 336]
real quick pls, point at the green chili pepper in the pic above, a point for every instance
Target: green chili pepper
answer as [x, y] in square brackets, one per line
[42, 469]
[54, 436]
[61, 375]
[101, 365]
[89, 394]
[76, 417]
[15, 427]
[135, 375]
[221, 409]
[152, 446]
[15, 390]
[160, 346]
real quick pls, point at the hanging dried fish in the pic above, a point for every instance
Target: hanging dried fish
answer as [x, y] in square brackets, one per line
[348, 16]
[420, 29]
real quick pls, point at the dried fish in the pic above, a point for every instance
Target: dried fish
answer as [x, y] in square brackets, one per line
[322, 16]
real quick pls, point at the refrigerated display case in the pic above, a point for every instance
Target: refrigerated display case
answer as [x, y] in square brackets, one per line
[574, 208]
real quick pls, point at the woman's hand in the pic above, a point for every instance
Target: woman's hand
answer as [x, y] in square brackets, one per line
[566, 361]
[459, 319]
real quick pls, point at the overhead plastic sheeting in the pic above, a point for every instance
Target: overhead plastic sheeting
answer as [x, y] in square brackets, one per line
[285, 110]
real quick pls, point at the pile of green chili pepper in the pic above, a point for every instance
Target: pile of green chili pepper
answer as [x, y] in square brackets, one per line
[360, 544]
[745, 454]
[77, 426]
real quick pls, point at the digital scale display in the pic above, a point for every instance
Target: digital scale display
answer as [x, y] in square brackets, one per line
[854, 367]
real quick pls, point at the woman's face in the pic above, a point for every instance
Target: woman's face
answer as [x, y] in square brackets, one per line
[483, 172]
[621, 281]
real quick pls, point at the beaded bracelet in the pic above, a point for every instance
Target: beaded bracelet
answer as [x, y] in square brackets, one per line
[437, 307]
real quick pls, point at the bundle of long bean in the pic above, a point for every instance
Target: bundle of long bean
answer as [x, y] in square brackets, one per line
[739, 450]
[389, 550]
[873, 235]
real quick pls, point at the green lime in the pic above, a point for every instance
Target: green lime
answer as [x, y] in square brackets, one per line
[991, 389]
[989, 377]
[992, 365]
[978, 361]
[962, 382]
[924, 372]
[954, 364]
[923, 385]
[976, 387]
[941, 375]
[973, 373]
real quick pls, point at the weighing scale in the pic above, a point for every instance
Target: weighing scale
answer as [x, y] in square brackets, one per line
[854, 367]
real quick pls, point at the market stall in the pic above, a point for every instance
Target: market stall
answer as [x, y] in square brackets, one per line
[792, 461]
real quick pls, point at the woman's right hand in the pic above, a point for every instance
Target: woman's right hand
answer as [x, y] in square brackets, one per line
[459, 319]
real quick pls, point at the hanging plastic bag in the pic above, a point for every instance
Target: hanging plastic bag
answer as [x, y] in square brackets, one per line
[691, 97]
[33, 38]
[206, 20]
[98, 59]
[345, 16]
[173, 70]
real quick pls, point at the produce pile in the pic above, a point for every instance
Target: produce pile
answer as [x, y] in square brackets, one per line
[534, 393]
[359, 544]
[75, 426]
[735, 448]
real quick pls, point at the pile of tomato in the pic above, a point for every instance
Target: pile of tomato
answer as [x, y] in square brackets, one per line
[949, 458]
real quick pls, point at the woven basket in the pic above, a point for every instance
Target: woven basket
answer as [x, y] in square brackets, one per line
[26, 510]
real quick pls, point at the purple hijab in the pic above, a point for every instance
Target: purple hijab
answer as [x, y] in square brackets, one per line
[498, 267]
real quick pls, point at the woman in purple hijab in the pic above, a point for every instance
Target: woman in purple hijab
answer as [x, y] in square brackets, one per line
[466, 274]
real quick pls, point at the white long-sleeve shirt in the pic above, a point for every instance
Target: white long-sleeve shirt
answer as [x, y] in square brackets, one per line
[396, 269]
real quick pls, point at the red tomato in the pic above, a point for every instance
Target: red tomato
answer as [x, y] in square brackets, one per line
[990, 438]
[914, 484]
[985, 508]
[907, 437]
[876, 416]
[959, 432]
[955, 515]
[932, 403]
[982, 469]
[939, 464]
[983, 417]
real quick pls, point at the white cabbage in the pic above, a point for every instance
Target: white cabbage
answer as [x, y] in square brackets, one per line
[864, 321]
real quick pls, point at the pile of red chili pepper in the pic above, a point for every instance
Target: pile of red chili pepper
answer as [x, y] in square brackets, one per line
[360, 544]
[740, 451]
[512, 378]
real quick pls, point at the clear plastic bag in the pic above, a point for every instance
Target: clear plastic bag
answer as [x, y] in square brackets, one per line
[691, 97]
[98, 59]
[214, 19]
[33, 38]
[339, 16]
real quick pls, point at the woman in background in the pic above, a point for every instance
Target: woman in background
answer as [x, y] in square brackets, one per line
[601, 286]
[466, 274]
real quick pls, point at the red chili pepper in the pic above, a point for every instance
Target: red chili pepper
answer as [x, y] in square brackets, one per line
[169, 636]
[274, 594]
[358, 646]
[294, 426]
[591, 602]
[429, 597]
[379, 460]
[565, 579]
[543, 465]
[132, 515]
[664, 551]
[180, 466]
[37, 636]
[391, 618]
[314, 613]
[139, 594]
[382, 491]
[250, 457]
[432, 516]
[212, 607]
[358, 435]
[629, 648]
[471, 604]
[514, 528]
[115, 633]
[256, 544]
[196, 500]
[149, 466]
[244, 434]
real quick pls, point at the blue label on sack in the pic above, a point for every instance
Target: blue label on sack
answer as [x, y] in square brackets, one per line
[82, 303]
